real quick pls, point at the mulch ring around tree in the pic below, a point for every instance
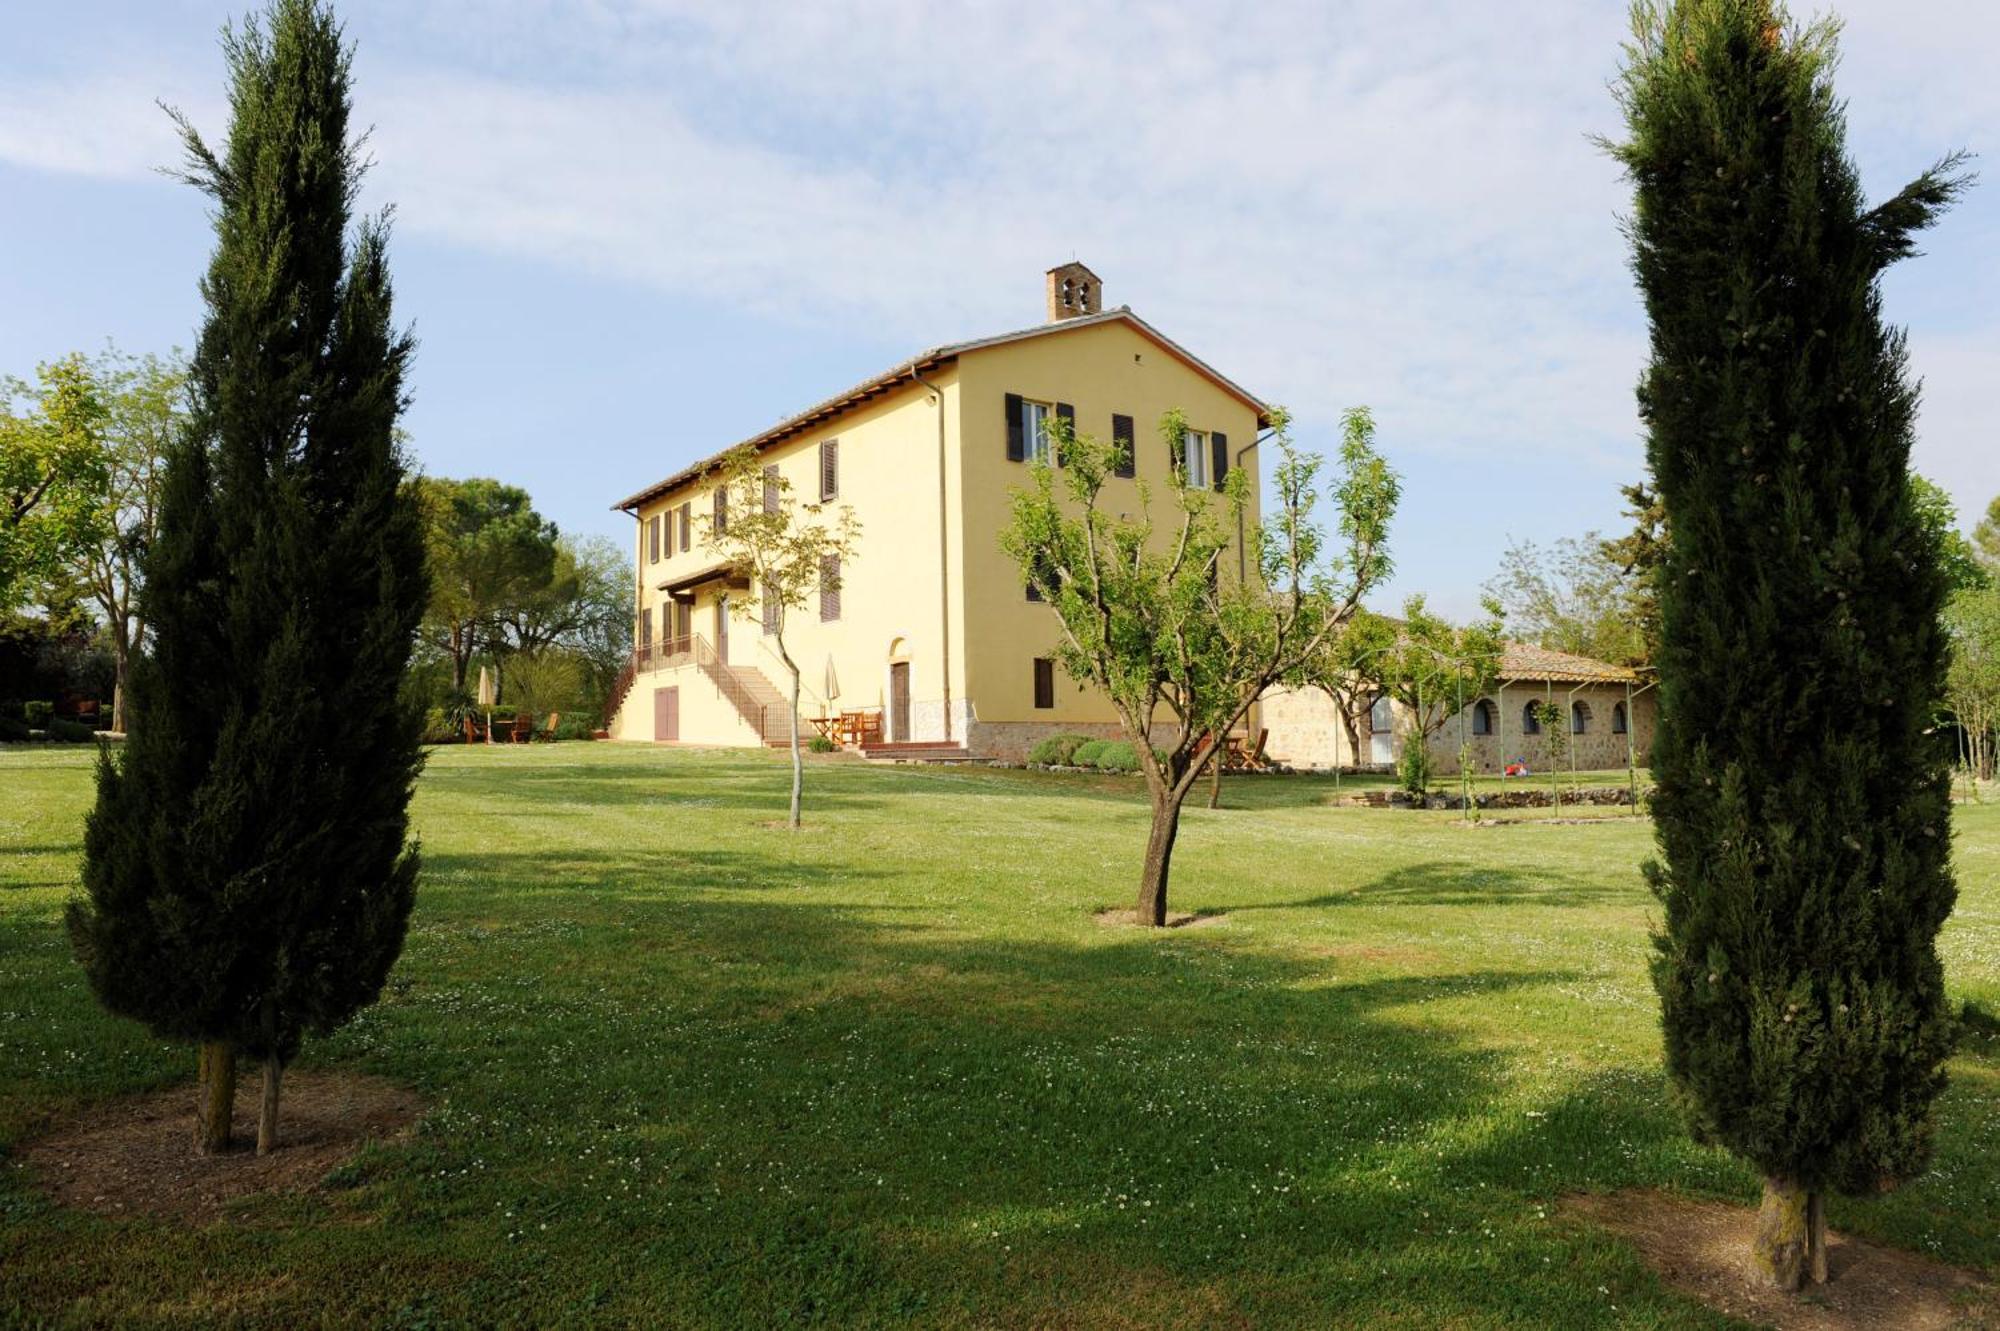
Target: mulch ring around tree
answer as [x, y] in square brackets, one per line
[1113, 918]
[1702, 1249]
[135, 1155]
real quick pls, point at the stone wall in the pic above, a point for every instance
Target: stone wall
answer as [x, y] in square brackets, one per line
[1010, 741]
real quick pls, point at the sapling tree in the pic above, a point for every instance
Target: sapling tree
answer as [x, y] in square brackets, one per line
[1339, 669]
[248, 874]
[1149, 611]
[1433, 668]
[1802, 807]
[791, 553]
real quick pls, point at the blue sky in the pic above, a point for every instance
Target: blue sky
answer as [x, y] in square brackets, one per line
[631, 232]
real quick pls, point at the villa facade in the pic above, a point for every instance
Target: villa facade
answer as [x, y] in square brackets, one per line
[929, 629]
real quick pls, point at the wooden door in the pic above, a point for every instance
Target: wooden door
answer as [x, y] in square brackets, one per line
[667, 715]
[899, 702]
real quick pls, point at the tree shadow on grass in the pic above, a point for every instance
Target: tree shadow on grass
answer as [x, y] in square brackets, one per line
[1445, 883]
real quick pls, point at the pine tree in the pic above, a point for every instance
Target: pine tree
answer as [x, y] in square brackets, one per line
[248, 873]
[1802, 812]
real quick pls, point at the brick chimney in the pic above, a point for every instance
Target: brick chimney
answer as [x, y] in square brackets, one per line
[1073, 290]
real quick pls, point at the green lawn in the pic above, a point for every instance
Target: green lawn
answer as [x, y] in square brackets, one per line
[689, 1070]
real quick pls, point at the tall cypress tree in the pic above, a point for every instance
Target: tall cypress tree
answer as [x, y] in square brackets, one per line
[1802, 813]
[248, 873]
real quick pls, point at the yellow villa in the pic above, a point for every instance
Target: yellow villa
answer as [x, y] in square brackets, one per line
[931, 645]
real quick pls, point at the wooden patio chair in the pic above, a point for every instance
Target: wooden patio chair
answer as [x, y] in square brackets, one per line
[548, 731]
[1255, 760]
[473, 733]
[523, 729]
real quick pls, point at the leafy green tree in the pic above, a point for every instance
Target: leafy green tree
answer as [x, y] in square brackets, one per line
[491, 556]
[1972, 682]
[584, 610]
[1572, 595]
[248, 876]
[1938, 516]
[1802, 812]
[791, 552]
[1149, 613]
[53, 476]
[1986, 540]
[144, 400]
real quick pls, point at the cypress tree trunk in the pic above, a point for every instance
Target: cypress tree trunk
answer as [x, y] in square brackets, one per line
[215, 1099]
[1781, 1252]
[1802, 810]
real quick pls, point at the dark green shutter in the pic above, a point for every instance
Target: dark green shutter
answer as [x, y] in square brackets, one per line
[1121, 438]
[1067, 415]
[1219, 444]
[1016, 446]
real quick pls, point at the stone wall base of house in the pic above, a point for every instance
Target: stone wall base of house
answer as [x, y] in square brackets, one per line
[1010, 741]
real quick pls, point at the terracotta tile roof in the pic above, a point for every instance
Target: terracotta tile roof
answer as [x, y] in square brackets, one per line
[898, 375]
[1519, 660]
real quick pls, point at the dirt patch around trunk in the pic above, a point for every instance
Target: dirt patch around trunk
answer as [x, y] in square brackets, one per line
[1702, 1249]
[135, 1156]
[1112, 918]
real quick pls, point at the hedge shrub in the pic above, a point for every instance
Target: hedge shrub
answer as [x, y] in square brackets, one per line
[1057, 750]
[1117, 755]
[38, 713]
[13, 730]
[72, 732]
[1086, 753]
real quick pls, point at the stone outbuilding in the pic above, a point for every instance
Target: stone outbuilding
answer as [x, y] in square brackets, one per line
[1605, 720]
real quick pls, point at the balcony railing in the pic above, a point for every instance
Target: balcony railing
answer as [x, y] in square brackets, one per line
[666, 654]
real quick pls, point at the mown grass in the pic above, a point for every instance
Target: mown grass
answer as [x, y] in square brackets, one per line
[689, 1070]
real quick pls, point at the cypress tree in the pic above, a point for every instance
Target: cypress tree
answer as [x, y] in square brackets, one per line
[248, 873]
[1802, 817]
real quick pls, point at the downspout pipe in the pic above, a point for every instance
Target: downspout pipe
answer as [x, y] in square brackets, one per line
[1242, 556]
[944, 551]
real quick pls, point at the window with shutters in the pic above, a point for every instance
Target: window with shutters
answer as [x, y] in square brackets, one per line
[771, 489]
[1121, 437]
[721, 509]
[687, 526]
[653, 539]
[1045, 682]
[1028, 429]
[1195, 459]
[646, 629]
[829, 470]
[829, 588]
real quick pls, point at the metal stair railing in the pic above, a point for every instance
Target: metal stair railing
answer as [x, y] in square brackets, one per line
[731, 686]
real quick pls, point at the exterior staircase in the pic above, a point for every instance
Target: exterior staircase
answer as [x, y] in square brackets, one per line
[754, 696]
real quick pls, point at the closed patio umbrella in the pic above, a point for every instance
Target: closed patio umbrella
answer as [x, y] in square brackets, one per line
[486, 698]
[832, 681]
